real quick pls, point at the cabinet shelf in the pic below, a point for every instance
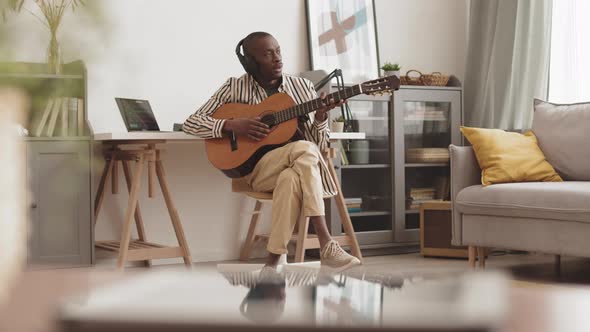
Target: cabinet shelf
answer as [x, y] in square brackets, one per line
[425, 120]
[372, 118]
[56, 138]
[427, 164]
[369, 213]
[412, 211]
[359, 166]
[41, 76]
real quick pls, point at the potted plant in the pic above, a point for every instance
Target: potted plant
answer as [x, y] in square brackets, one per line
[390, 69]
[50, 13]
[338, 124]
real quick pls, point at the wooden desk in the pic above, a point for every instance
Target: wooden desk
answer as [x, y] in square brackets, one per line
[140, 147]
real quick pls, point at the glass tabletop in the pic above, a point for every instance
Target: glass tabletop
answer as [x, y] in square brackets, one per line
[294, 298]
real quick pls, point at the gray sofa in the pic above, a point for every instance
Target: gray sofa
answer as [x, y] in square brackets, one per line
[549, 217]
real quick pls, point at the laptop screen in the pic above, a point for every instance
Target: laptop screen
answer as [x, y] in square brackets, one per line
[137, 114]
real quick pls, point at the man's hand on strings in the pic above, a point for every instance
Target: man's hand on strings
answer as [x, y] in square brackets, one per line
[322, 113]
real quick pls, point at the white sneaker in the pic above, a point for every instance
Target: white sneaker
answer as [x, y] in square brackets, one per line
[335, 258]
[269, 275]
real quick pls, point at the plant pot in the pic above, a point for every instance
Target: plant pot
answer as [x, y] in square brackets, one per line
[359, 152]
[391, 73]
[337, 127]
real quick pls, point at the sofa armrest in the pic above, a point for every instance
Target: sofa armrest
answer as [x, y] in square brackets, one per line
[465, 172]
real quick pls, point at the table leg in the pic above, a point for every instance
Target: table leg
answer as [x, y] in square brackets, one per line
[132, 204]
[100, 192]
[172, 211]
[138, 218]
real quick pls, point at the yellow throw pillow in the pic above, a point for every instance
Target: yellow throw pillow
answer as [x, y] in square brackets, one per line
[509, 157]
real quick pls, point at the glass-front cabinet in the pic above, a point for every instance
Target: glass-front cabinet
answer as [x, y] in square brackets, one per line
[365, 171]
[403, 161]
[426, 120]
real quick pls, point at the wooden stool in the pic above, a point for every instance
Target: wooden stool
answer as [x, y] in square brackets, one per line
[303, 240]
[140, 249]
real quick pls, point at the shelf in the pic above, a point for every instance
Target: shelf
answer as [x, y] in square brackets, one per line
[346, 135]
[369, 213]
[412, 211]
[427, 164]
[44, 76]
[427, 120]
[56, 138]
[372, 118]
[366, 166]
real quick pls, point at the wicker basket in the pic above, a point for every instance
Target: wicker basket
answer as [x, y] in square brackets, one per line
[411, 80]
[435, 79]
[427, 155]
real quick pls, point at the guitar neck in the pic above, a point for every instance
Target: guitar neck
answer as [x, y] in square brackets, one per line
[313, 105]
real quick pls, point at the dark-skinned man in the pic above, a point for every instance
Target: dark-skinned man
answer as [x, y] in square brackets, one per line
[295, 173]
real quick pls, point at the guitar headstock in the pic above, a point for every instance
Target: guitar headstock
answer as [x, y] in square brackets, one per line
[381, 85]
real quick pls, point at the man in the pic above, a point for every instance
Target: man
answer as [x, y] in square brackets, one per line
[295, 173]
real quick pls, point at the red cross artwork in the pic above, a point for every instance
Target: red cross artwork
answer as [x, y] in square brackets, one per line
[338, 32]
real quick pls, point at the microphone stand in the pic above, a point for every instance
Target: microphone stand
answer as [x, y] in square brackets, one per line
[344, 109]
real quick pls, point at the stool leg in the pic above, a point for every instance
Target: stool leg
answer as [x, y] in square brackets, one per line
[138, 217]
[472, 254]
[115, 178]
[301, 236]
[108, 166]
[131, 205]
[481, 253]
[249, 242]
[172, 211]
[344, 216]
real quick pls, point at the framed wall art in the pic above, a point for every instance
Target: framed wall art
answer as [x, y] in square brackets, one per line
[342, 34]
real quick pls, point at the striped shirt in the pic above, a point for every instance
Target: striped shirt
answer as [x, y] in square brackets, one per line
[246, 90]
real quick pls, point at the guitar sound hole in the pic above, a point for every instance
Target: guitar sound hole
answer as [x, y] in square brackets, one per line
[269, 120]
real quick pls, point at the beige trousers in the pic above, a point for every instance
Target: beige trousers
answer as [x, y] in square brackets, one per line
[292, 174]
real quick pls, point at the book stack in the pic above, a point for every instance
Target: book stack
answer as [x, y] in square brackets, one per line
[418, 196]
[343, 156]
[426, 115]
[353, 204]
[62, 116]
[427, 155]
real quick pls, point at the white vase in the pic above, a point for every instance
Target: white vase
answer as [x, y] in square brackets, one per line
[337, 127]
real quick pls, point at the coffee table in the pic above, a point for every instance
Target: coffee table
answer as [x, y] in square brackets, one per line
[240, 297]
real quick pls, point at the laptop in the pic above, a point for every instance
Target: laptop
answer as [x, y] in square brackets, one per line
[137, 114]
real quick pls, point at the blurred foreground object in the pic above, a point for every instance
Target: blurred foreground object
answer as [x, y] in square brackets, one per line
[13, 103]
[50, 14]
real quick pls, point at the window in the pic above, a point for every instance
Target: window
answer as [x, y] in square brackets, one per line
[569, 76]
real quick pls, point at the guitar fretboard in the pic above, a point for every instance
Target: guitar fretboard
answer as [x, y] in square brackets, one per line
[312, 105]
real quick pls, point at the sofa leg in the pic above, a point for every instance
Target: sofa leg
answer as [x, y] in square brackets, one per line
[558, 266]
[471, 251]
[481, 253]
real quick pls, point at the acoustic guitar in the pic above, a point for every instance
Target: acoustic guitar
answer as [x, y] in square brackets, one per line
[237, 156]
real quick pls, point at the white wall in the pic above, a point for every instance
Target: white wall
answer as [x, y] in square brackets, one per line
[177, 52]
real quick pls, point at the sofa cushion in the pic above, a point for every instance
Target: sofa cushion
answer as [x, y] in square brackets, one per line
[563, 134]
[508, 157]
[569, 200]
